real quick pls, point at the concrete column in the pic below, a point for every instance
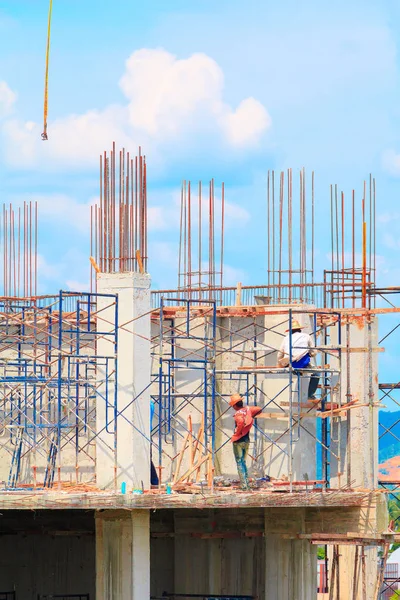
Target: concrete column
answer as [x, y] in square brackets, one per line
[358, 431]
[126, 455]
[291, 569]
[348, 570]
[123, 555]
[366, 568]
[290, 564]
[356, 439]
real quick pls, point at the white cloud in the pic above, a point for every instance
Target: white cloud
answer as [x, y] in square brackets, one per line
[390, 241]
[391, 162]
[64, 210]
[78, 286]
[75, 141]
[232, 276]
[236, 215]
[167, 99]
[46, 270]
[388, 217]
[165, 253]
[57, 273]
[7, 99]
[163, 214]
[164, 91]
[244, 126]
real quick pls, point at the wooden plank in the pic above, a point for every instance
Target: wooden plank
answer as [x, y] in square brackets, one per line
[239, 294]
[139, 261]
[339, 411]
[190, 471]
[180, 457]
[282, 415]
[294, 483]
[199, 441]
[94, 264]
[190, 428]
[352, 350]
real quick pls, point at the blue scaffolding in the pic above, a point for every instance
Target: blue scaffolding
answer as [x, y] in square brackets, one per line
[173, 359]
[49, 384]
[186, 352]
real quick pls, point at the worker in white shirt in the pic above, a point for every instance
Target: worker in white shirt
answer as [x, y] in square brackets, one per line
[303, 351]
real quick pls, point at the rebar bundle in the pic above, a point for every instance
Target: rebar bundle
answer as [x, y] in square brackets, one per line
[19, 227]
[119, 220]
[201, 254]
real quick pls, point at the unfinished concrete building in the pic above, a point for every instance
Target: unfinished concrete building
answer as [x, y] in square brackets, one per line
[79, 372]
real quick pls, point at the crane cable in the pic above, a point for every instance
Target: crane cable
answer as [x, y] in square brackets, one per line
[46, 78]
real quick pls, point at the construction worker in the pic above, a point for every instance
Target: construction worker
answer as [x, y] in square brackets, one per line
[303, 351]
[244, 419]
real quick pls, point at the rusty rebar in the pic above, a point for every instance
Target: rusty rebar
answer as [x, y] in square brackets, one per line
[202, 274]
[19, 245]
[119, 219]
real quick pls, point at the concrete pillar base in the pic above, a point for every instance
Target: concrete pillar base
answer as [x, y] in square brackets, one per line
[357, 578]
[291, 569]
[123, 555]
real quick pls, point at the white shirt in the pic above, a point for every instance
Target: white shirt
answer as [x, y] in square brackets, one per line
[301, 345]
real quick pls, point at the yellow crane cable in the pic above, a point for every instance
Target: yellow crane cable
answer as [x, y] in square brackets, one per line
[46, 78]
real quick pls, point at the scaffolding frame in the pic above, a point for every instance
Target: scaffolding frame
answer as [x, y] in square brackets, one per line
[190, 329]
[49, 384]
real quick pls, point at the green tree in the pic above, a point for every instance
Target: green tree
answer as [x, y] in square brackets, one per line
[394, 515]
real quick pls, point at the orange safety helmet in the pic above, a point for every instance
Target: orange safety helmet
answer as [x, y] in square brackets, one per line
[235, 398]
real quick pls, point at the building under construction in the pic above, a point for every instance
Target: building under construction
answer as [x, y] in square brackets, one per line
[79, 373]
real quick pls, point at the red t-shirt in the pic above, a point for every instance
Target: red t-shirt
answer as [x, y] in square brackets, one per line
[244, 419]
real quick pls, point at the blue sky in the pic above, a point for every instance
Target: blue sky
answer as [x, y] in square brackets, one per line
[247, 86]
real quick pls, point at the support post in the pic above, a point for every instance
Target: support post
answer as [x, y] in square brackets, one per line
[123, 444]
[359, 444]
[290, 564]
[123, 555]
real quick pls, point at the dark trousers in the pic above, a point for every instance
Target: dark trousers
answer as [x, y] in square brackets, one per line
[153, 475]
[153, 472]
[313, 385]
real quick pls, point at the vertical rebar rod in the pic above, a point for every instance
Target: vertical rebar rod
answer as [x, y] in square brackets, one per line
[273, 235]
[119, 220]
[343, 257]
[268, 233]
[312, 234]
[290, 226]
[281, 194]
[180, 242]
[222, 236]
[200, 240]
[304, 244]
[189, 240]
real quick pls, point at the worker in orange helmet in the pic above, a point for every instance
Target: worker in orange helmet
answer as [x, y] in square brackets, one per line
[244, 420]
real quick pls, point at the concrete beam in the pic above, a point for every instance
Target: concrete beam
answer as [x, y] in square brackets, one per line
[323, 501]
